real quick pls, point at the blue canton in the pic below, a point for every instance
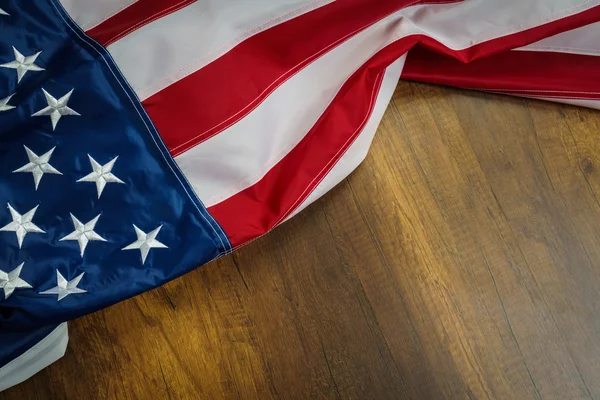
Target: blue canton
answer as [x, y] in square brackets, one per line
[93, 209]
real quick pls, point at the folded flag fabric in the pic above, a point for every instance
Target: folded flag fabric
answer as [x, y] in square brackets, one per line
[142, 139]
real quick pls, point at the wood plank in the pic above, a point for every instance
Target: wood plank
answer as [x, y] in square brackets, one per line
[460, 261]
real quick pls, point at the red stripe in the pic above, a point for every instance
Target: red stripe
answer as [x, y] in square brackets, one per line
[140, 13]
[257, 209]
[218, 95]
[529, 73]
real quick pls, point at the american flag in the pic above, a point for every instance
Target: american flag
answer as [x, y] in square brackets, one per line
[142, 139]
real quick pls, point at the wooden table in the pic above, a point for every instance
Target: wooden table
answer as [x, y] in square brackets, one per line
[460, 261]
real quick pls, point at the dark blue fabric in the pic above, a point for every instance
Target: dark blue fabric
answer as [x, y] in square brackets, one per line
[15, 343]
[112, 123]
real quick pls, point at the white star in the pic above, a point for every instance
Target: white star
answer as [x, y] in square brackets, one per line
[145, 242]
[38, 166]
[4, 106]
[56, 108]
[22, 224]
[65, 288]
[11, 281]
[101, 174]
[84, 233]
[23, 64]
[2, 12]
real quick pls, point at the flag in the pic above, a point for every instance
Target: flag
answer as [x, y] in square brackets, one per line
[142, 139]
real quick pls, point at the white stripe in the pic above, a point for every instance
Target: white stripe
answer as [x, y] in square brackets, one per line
[357, 152]
[89, 13]
[583, 40]
[177, 45]
[242, 154]
[589, 103]
[38, 357]
[465, 24]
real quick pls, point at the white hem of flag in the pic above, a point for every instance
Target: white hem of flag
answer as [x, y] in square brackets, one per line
[589, 103]
[45, 352]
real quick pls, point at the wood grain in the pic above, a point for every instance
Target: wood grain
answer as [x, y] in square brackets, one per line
[460, 261]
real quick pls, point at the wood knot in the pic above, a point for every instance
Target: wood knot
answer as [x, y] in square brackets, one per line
[587, 165]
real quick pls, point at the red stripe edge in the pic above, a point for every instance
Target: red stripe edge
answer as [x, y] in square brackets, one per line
[140, 13]
[529, 73]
